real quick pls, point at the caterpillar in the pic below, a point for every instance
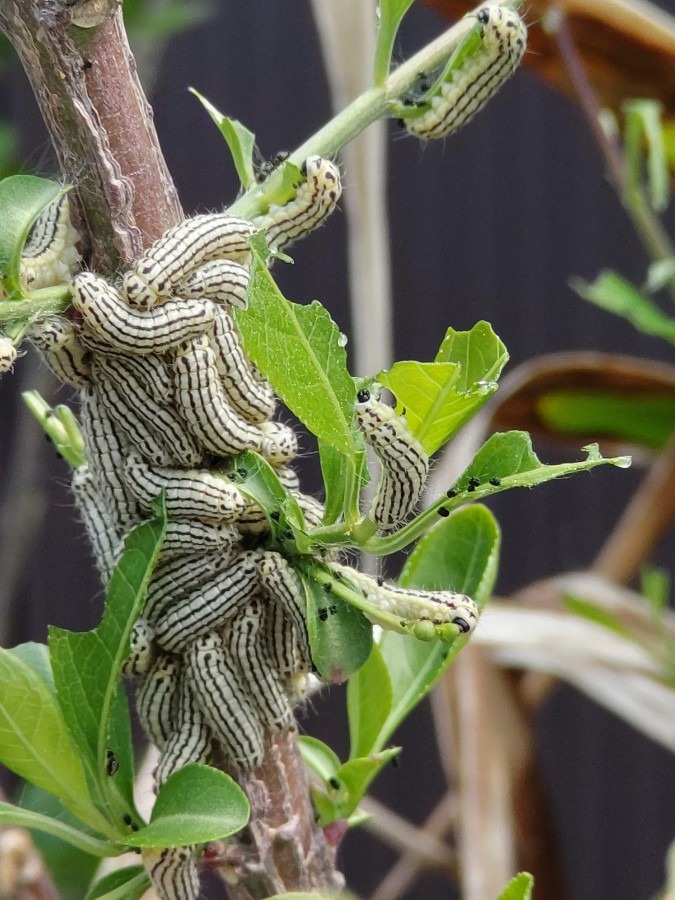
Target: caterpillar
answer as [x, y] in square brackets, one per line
[282, 586]
[136, 332]
[220, 280]
[284, 644]
[99, 524]
[252, 399]
[265, 168]
[58, 340]
[157, 699]
[151, 371]
[172, 258]
[142, 649]
[50, 254]
[312, 509]
[253, 520]
[192, 740]
[8, 354]
[247, 645]
[208, 607]
[411, 606]
[191, 536]
[225, 703]
[173, 872]
[405, 464]
[106, 450]
[176, 577]
[203, 402]
[478, 77]
[189, 493]
[279, 444]
[315, 198]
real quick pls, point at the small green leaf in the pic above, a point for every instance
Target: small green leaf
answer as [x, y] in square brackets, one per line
[343, 478]
[355, 777]
[340, 636]
[369, 699]
[301, 352]
[239, 139]
[34, 739]
[196, 804]
[655, 587]
[318, 757]
[612, 292]
[391, 14]
[22, 199]
[87, 665]
[129, 883]
[60, 426]
[440, 397]
[460, 553]
[643, 418]
[519, 888]
[26, 818]
[596, 614]
[37, 657]
[644, 127]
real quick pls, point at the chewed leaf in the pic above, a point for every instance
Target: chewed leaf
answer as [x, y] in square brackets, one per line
[239, 139]
[479, 352]
[22, 199]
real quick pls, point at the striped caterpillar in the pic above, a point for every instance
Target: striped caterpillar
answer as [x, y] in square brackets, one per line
[8, 354]
[157, 699]
[191, 741]
[405, 464]
[135, 332]
[315, 198]
[189, 493]
[50, 254]
[172, 258]
[414, 606]
[100, 525]
[220, 280]
[175, 578]
[224, 702]
[478, 77]
[283, 589]
[58, 340]
[173, 872]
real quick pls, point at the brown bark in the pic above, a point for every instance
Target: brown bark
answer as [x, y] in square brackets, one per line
[86, 85]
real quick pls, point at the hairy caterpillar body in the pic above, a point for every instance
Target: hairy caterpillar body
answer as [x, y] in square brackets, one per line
[438, 607]
[190, 536]
[220, 280]
[224, 701]
[100, 525]
[247, 646]
[204, 405]
[8, 354]
[315, 199]
[141, 649]
[156, 275]
[405, 464]
[58, 340]
[279, 444]
[251, 398]
[189, 493]
[478, 77]
[50, 255]
[192, 740]
[173, 872]
[155, 331]
[176, 577]
[209, 607]
[157, 699]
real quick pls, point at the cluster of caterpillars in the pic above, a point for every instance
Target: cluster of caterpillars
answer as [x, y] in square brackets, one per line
[221, 653]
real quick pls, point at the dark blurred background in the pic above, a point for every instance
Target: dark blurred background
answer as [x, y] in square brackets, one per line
[490, 225]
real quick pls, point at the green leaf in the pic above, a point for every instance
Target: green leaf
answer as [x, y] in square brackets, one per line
[34, 739]
[318, 757]
[196, 804]
[300, 350]
[643, 418]
[71, 868]
[643, 127]
[391, 14]
[60, 426]
[509, 457]
[440, 397]
[354, 779]
[460, 553]
[612, 292]
[655, 587]
[596, 614]
[369, 699]
[239, 139]
[87, 667]
[37, 657]
[22, 199]
[26, 818]
[340, 636]
[129, 883]
[519, 888]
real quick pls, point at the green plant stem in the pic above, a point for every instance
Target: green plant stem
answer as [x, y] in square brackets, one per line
[366, 109]
[46, 302]
[16, 815]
